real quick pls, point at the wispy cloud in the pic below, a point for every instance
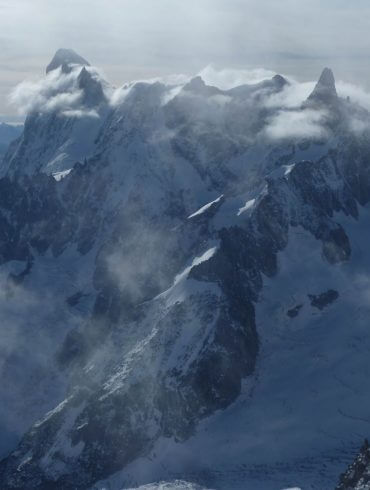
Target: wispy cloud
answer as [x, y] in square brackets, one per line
[296, 124]
[55, 92]
[292, 96]
[355, 92]
[228, 78]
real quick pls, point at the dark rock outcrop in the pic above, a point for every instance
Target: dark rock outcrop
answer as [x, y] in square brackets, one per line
[65, 57]
[357, 477]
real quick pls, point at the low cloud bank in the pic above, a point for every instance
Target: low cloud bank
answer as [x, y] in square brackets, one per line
[296, 124]
[229, 78]
[56, 92]
[60, 92]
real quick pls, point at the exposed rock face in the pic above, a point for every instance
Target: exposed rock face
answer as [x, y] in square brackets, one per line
[357, 477]
[93, 95]
[156, 326]
[322, 300]
[64, 57]
[325, 90]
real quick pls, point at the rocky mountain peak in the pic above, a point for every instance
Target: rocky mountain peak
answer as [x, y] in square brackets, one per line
[279, 81]
[325, 90]
[64, 57]
[93, 91]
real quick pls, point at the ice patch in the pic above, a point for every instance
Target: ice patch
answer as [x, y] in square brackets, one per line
[288, 169]
[60, 175]
[205, 207]
[247, 206]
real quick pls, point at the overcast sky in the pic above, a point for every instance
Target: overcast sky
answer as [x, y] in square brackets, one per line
[135, 39]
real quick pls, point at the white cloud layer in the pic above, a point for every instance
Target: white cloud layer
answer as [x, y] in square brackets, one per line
[60, 92]
[355, 92]
[296, 124]
[228, 78]
[56, 91]
[292, 95]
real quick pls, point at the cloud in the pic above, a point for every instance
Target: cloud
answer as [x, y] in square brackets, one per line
[293, 122]
[171, 94]
[30, 379]
[358, 121]
[291, 96]
[56, 92]
[80, 113]
[133, 266]
[355, 92]
[118, 95]
[287, 124]
[228, 78]
[358, 126]
[174, 83]
[60, 92]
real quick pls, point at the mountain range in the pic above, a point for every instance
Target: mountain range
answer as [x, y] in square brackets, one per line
[185, 286]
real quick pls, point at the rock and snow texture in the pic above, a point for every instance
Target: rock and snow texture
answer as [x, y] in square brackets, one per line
[227, 346]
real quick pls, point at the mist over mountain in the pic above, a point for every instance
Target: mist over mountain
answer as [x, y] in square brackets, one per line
[185, 282]
[8, 133]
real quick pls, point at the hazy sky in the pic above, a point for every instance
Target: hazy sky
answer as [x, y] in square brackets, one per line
[131, 39]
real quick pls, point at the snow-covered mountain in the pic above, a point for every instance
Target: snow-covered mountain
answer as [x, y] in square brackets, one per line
[185, 285]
